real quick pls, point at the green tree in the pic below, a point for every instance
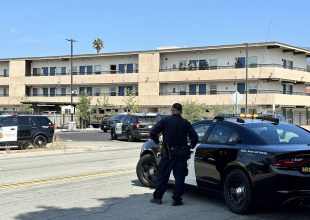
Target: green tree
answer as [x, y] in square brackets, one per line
[214, 110]
[130, 103]
[193, 111]
[102, 101]
[83, 108]
[98, 44]
[25, 108]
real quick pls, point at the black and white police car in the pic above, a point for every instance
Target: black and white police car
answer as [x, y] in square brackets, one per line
[250, 159]
[23, 130]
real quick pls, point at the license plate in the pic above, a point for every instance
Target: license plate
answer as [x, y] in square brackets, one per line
[305, 170]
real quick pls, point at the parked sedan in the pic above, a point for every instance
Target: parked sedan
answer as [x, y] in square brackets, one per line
[250, 161]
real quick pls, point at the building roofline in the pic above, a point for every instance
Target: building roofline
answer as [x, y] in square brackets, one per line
[272, 44]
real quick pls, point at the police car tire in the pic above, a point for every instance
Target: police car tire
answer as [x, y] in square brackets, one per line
[141, 172]
[113, 136]
[39, 141]
[130, 137]
[238, 178]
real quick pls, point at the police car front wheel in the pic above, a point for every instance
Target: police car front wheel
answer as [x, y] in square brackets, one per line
[146, 171]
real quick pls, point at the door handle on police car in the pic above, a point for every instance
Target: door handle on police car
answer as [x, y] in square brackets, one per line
[12, 129]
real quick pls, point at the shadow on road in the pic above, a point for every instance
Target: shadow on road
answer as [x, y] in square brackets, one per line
[197, 205]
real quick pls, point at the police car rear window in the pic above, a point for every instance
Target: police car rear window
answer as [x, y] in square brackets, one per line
[279, 133]
[146, 119]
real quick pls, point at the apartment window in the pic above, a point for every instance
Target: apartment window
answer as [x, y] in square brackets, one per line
[34, 91]
[113, 69]
[5, 72]
[202, 89]
[130, 68]
[63, 91]
[82, 90]
[97, 69]
[288, 64]
[192, 65]
[213, 63]
[5, 92]
[137, 67]
[97, 91]
[89, 70]
[45, 71]
[182, 89]
[82, 70]
[121, 90]
[287, 89]
[121, 68]
[192, 89]
[45, 91]
[203, 64]
[113, 91]
[182, 64]
[253, 61]
[241, 88]
[129, 90]
[63, 70]
[36, 71]
[252, 88]
[52, 71]
[90, 91]
[213, 89]
[74, 70]
[53, 91]
[240, 62]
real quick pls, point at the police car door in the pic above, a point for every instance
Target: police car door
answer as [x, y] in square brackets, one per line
[119, 126]
[8, 130]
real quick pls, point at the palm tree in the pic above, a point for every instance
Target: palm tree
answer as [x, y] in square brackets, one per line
[98, 44]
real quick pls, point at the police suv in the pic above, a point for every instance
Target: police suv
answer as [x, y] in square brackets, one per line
[249, 159]
[23, 130]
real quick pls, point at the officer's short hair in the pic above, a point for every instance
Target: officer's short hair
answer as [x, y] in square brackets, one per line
[177, 106]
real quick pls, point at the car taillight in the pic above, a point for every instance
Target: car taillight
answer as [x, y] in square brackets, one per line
[51, 126]
[138, 125]
[294, 161]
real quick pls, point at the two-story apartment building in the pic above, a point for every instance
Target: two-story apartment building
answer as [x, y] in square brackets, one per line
[277, 78]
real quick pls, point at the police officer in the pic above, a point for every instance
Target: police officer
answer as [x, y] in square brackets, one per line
[175, 131]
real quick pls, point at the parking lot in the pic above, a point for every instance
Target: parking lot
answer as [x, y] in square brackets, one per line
[95, 179]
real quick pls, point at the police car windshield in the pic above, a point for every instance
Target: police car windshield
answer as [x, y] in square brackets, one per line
[279, 133]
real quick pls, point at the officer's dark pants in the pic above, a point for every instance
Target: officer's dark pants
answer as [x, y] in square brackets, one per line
[178, 164]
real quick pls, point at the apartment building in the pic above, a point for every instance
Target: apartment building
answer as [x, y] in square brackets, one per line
[277, 78]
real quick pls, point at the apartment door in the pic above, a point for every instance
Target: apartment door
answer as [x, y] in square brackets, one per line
[129, 68]
[241, 88]
[240, 62]
[202, 64]
[121, 68]
[89, 70]
[121, 90]
[202, 89]
[192, 89]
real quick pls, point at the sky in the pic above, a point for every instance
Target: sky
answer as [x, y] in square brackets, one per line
[40, 27]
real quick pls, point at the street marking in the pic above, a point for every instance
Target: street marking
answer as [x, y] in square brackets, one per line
[67, 178]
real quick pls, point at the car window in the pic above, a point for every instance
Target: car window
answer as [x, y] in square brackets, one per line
[201, 130]
[43, 120]
[23, 121]
[219, 134]
[147, 119]
[8, 121]
[280, 133]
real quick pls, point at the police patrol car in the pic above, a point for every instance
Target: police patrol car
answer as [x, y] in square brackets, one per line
[23, 130]
[250, 159]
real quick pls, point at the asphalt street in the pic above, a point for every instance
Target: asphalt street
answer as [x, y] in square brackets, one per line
[97, 180]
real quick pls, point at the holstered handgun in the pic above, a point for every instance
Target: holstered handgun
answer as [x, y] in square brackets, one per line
[168, 151]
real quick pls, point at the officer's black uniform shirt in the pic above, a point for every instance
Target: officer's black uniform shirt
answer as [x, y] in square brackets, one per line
[175, 130]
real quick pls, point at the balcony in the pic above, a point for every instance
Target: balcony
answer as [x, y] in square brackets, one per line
[272, 72]
[95, 79]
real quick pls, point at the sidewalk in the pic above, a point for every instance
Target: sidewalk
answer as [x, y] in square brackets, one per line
[77, 130]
